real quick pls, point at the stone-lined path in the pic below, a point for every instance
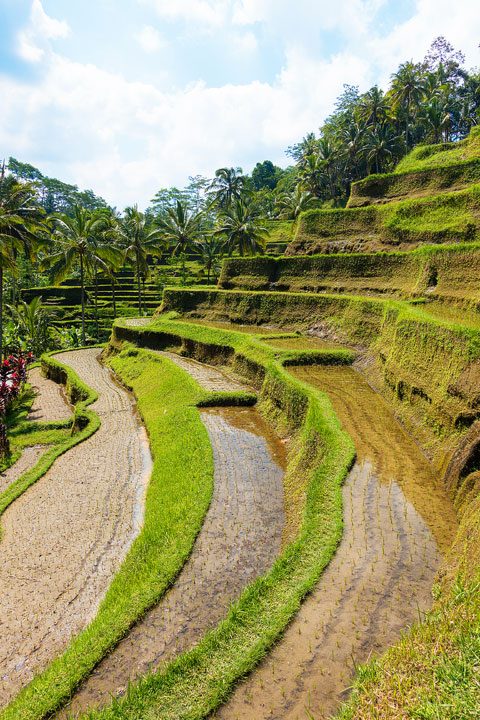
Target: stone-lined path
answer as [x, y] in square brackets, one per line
[65, 538]
[239, 540]
[397, 521]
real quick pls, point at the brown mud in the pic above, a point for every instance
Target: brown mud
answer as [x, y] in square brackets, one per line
[65, 538]
[398, 521]
[239, 541]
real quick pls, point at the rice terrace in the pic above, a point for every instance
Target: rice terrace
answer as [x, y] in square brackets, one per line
[240, 429]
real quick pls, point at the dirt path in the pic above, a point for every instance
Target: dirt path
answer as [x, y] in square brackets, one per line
[239, 540]
[398, 519]
[50, 403]
[65, 538]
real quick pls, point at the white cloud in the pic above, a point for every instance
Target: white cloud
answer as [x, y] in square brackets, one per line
[32, 42]
[211, 13]
[150, 39]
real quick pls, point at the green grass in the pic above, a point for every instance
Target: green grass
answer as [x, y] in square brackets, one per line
[449, 217]
[437, 156]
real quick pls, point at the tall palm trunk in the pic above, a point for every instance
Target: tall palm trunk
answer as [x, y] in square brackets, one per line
[82, 283]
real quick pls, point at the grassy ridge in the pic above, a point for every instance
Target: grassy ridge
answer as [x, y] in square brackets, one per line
[426, 170]
[449, 217]
[440, 269]
[177, 500]
[198, 681]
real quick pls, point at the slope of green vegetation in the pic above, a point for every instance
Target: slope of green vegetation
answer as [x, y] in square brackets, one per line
[450, 217]
[427, 170]
[434, 272]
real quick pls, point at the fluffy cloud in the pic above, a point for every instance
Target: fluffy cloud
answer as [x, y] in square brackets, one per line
[211, 13]
[150, 39]
[33, 41]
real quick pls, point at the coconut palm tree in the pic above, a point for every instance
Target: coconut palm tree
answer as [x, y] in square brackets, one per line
[139, 239]
[180, 227]
[76, 245]
[210, 249]
[292, 204]
[407, 92]
[373, 107]
[242, 230]
[381, 145]
[228, 186]
[20, 229]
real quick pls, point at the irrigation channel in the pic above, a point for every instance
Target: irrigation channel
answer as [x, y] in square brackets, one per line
[239, 540]
[398, 521]
[64, 538]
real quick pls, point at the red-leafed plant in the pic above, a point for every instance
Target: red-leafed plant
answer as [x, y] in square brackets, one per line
[13, 374]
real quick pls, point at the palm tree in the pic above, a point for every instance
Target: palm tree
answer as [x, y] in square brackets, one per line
[373, 107]
[242, 229]
[180, 227]
[211, 250]
[229, 185]
[76, 240]
[140, 239]
[292, 204]
[407, 91]
[381, 145]
[20, 228]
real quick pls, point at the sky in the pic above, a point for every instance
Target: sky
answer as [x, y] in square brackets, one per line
[127, 96]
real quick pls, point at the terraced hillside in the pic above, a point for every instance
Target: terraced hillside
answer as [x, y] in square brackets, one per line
[314, 425]
[437, 203]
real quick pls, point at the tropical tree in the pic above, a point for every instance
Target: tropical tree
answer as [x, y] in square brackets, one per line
[32, 324]
[76, 241]
[373, 108]
[180, 227]
[381, 146]
[229, 186]
[210, 249]
[139, 238]
[407, 92]
[290, 205]
[242, 229]
[20, 229]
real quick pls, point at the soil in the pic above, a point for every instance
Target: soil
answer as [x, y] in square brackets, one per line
[239, 540]
[50, 403]
[398, 520]
[65, 538]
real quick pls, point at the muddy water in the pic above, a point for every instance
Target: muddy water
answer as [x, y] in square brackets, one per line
[239, 541]
[397, 523]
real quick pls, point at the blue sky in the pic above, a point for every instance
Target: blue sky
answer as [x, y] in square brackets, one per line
[127, 96]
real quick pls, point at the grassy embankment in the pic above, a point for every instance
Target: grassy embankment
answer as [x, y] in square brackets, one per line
[427, 170]
[432, 271]
[449, 217]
